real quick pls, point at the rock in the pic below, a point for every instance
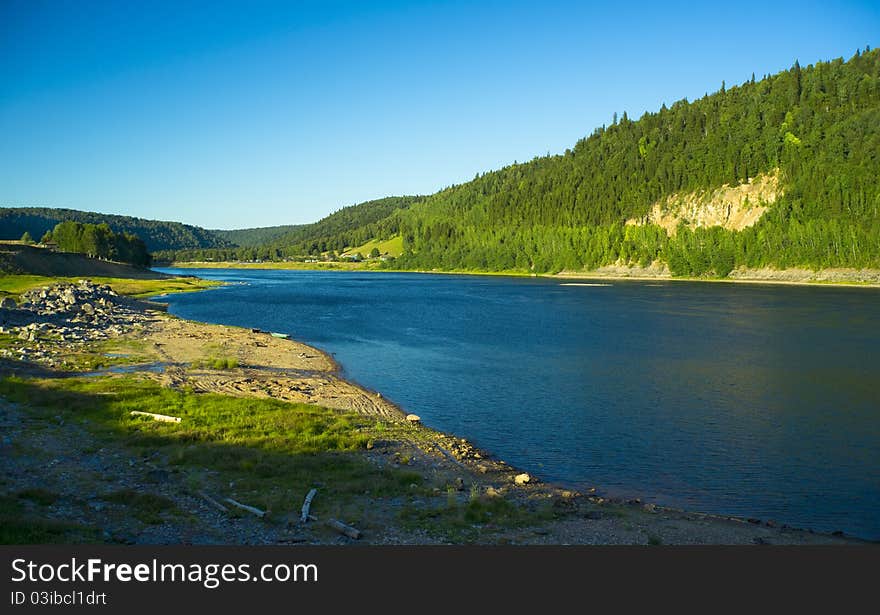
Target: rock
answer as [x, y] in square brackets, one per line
[413, 418]
[492, 492]
[522, 479]
[7, 303]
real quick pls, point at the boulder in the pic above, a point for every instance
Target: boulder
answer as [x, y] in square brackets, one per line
[522, 479]
[413, 418]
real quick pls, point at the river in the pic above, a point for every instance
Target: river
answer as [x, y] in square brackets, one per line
[749, 400]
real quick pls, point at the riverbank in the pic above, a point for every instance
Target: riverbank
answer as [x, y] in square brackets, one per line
[68, 425]
[839, 277]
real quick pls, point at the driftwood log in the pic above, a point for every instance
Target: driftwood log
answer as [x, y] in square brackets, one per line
[307, 504]
[250, 509]
[213, 502]
[156, 417]
[342, 528]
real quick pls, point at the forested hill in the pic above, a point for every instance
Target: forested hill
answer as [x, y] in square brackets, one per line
[815, 128]
[157, 235]
[350, 226]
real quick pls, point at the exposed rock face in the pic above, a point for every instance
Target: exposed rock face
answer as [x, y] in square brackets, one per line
[731, 207]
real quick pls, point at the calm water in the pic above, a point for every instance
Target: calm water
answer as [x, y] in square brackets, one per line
[741, 399]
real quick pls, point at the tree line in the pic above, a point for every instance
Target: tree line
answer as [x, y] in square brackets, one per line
[156, 234]
[98, 241]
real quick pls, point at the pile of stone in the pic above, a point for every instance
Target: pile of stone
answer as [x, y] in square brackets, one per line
[84, 301]
[64, 317]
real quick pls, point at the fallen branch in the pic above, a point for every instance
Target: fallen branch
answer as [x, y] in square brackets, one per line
[340, 527]
[307, 504]
[213, 502]
[156, 417]
[250, 509]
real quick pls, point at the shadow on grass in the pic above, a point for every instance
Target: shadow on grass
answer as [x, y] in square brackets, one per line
[263, 452]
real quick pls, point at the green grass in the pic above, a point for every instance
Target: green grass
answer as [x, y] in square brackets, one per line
[367, 265]
[270, 451]
[15, 285]
[225, 363]
[473, 520]
[18, 526]
[393, 246]
[215, 362]
[40, 496]
[148, 508]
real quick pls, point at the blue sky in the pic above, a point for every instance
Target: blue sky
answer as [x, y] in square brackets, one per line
[241, 114]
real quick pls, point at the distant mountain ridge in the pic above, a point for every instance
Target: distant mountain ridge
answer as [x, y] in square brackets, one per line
[258, 236]
[156, 234]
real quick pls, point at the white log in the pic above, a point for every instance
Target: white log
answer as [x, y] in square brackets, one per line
[213, 502]
[250, 509]
[156, 417]
[342, 528]
[307, 504]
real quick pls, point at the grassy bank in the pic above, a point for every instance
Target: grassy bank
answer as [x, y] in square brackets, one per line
[263, 452]
[292, 265]
[15, 285]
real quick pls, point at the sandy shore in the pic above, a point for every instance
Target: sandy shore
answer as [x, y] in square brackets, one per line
[284, 369]
[839, 278]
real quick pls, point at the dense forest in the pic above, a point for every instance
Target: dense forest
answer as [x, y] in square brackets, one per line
[98, 241]
[157, 235]
[819, 126]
